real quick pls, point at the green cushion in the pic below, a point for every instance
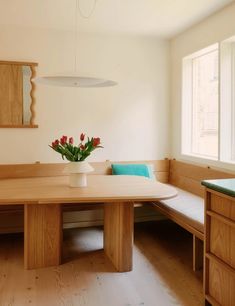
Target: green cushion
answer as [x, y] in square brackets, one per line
[133, 169]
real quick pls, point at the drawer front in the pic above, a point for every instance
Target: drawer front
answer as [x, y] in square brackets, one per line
[223, 206]
[222, 241]
[221, 286]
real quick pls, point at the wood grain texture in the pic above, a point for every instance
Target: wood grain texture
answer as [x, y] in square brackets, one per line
[118, 234]
[87, 278]
[43, 236]
[32, 95]
[222, 242]
[11, 95]
[221, 284]
[18, 63]
[219, 274]
[13, 223]
[189, 176]
[207, 203]
[197, 253]
[18, 126]
[101, 188]
[43, 198]
[160, 168]
[223, 205]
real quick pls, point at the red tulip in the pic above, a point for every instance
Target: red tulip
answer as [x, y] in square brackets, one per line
[82, 147]
[71, 140]
[63, 140]
[55, 143]
[82, 136]
[96, 141]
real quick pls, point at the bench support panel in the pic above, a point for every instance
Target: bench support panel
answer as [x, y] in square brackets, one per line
[42, 235]
[197, 254]
[118, 234]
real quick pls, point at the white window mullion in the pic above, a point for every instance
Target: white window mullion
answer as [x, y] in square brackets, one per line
[226, 105]
[233, 103]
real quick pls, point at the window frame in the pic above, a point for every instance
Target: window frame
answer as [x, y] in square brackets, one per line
[187, 108]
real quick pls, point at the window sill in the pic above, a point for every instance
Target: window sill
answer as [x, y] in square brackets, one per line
[226, 165]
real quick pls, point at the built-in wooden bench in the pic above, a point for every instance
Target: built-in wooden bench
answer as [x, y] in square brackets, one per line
[187, 209]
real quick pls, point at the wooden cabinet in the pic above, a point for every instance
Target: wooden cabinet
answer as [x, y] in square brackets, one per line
[219, 271]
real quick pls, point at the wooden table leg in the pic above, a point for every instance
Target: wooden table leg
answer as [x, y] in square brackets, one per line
[118, 234]
[42, 235]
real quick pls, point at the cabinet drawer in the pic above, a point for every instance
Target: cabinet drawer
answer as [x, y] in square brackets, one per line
[221, 285]
[222, 241]
[223, 206]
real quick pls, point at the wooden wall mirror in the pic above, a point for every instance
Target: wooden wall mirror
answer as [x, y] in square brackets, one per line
[17, 94]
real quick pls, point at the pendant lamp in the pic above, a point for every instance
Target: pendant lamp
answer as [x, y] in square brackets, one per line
[73, 79]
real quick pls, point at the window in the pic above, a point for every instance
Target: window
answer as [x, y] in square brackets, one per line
[208, 103]
[201, 103]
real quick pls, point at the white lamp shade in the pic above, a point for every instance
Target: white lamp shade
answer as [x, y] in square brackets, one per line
[74, 81]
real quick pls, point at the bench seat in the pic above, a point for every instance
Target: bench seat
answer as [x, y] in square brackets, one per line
[186, 207]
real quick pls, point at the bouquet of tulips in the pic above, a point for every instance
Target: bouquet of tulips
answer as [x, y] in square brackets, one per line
[74, 153]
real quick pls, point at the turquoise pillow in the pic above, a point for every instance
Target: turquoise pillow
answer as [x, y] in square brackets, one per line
[133, 169]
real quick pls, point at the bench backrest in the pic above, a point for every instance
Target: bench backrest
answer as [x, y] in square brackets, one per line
[160, 169]
[188, 177]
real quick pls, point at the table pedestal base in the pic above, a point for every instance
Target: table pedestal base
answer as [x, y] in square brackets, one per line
[118, 234]
[43, 235]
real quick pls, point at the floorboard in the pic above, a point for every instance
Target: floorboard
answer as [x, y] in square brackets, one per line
[162, 272]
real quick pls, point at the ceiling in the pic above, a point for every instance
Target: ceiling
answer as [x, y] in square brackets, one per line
[162, 18]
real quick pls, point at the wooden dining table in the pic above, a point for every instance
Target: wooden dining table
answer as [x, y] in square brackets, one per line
[43, 198]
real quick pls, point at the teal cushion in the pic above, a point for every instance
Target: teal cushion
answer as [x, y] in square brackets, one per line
[133, 169]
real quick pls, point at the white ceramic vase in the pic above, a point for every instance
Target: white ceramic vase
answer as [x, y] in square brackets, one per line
[78, 173]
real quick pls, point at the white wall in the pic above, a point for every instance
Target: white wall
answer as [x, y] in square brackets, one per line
[214, 29]
[131, 118]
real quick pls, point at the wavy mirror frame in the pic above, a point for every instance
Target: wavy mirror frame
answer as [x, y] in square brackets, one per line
[13, 88]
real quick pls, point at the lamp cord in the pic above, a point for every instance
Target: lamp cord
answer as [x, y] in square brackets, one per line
[91, 12]
[76, 35]
[78, 9]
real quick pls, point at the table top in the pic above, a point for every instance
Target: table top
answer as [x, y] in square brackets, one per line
[226, 186]
[101, 188]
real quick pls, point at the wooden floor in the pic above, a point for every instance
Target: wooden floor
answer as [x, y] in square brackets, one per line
[162, 274]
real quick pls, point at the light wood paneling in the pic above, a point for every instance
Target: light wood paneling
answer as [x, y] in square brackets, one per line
[222, 205]
[222, 241]
[197, 172]
[118, 234]
[160, 168]
[221, 284]
[189, 176]
[43, 236]
[11, 95]
[219, 271]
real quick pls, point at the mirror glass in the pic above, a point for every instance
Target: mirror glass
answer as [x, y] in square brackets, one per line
[27, 87]
[17, 94]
